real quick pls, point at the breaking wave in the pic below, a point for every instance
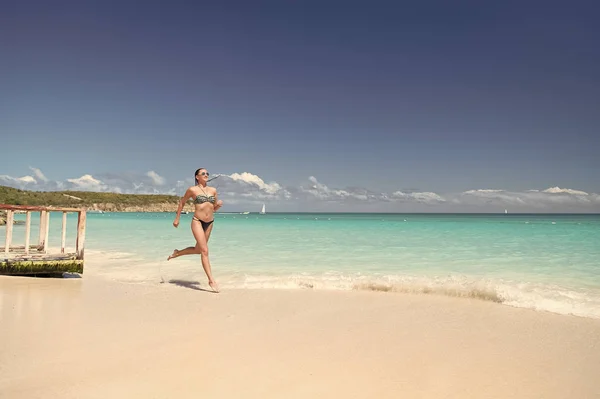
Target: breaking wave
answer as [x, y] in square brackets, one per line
[541, 296]
[537, 296]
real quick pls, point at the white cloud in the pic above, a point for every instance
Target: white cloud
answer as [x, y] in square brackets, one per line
[135, 183]
[493, 196]
[250, 188]
[27, 180]
[244, 190]
[156, 178]
[38, 173]
[424, 197]
[549, 198]
[18, 181]
[270, 188]
[483, 191]
[558, 190]
[88, 183]
[320, 191]
[126, 182]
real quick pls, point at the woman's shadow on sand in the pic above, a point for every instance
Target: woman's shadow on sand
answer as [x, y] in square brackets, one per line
[194, 285]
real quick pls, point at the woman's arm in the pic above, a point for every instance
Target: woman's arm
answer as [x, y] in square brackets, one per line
[218, 202]
[188, 194]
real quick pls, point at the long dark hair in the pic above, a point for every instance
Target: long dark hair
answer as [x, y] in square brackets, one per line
[196, 174]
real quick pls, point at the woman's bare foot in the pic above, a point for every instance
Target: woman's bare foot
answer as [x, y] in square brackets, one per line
[173, 255]
[214, 286]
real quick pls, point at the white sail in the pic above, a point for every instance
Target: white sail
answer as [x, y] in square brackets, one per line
[263, 210]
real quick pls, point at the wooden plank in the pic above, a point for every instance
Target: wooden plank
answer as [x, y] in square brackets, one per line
[9, 230]
[68, 256]
[27, 231]
[80, 245]
[17, 248]
[47, 232]
[37, 208]
[64, 233]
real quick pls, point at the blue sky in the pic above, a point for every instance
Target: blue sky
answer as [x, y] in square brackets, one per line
[357, 97]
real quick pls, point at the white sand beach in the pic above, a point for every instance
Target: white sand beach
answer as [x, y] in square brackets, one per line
[93, 338]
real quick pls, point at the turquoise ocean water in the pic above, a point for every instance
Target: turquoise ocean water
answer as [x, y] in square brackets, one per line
[543, 262]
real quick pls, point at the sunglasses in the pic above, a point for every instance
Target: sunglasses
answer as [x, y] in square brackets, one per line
[205, 174]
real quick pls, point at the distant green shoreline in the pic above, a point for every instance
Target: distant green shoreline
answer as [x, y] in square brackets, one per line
[13, 196]
[108, 202]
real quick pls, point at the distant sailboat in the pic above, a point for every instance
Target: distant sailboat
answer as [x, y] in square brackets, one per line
[263, 210]
[506, 211]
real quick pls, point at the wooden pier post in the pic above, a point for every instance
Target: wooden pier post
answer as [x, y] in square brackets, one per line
[64, 233]
[80, 245]
[9, 230]
[41, 243]
[27, 231]
[46, 232]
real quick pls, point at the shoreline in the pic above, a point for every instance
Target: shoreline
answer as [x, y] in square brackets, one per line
[91, 337]
[536, 296]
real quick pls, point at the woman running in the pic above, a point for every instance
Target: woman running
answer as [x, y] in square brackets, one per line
[205, 203]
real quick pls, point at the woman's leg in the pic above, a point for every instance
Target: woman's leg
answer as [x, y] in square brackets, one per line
[208, 231]
[190, 250]
[211, 281]
[200, 248]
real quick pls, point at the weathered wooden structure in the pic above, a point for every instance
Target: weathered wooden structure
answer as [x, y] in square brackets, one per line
[39, 259]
